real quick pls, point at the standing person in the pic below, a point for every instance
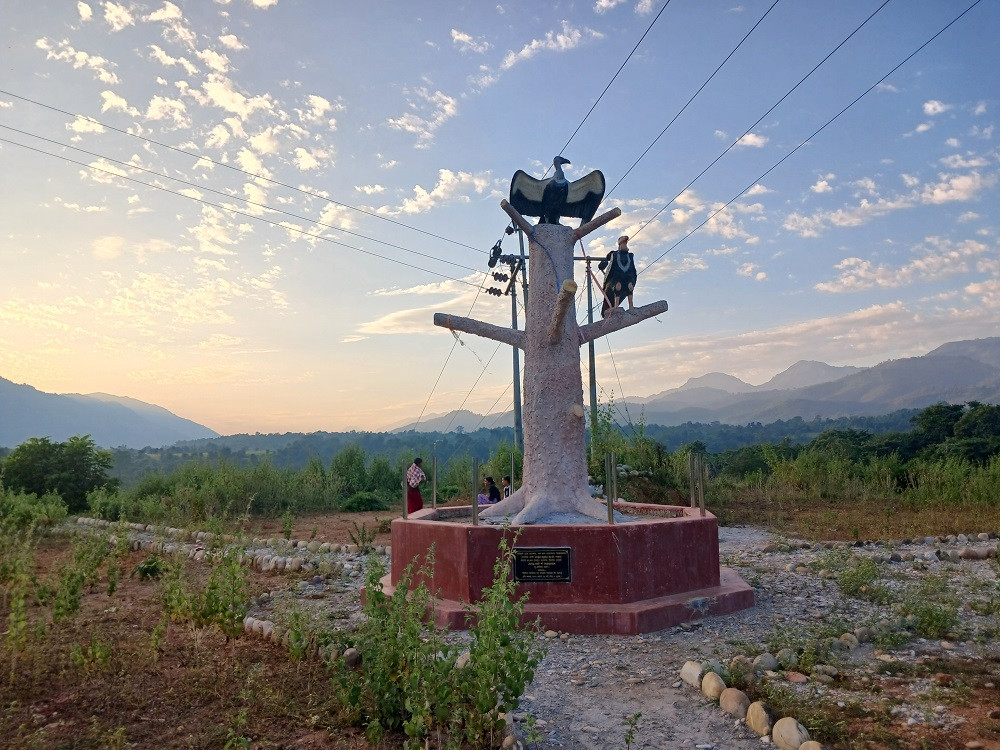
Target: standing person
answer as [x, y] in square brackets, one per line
[492, 494]
[507, 488]
[414, 477]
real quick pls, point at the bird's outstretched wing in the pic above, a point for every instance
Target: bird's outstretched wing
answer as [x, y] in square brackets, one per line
[584, 196]
[526, 193]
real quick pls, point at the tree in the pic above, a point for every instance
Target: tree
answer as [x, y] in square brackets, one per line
[70, 469]
[938, 421]
[981, 421]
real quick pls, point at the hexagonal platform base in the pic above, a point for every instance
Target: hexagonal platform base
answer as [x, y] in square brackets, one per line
[636, 577]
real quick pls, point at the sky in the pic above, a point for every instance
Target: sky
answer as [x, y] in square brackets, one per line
[248, 211]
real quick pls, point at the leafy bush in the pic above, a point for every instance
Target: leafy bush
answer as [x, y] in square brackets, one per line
[23, 511]
[412, 680]
[364, 501]
[70, 469]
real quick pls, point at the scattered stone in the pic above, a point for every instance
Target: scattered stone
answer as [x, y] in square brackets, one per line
[734, 702]
[797, 678]
[352, 658]
[691, 674]
[810, 745]
[712, 686]
[760, 718]
[550, 634]
[765, 663]
[788, 734]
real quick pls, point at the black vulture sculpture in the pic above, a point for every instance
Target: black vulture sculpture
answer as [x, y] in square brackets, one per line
[549, 199]
[620, 276]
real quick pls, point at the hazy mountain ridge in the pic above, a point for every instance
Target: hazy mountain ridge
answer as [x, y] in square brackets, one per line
[112, 421]
[955, 372]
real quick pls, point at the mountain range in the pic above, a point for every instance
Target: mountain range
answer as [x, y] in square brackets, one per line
[112, 421]
[955, 372]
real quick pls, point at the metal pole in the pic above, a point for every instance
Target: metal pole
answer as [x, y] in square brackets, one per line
[518, 425]
[590, 355]
[405, 492]
[475, 491]
[701, 482]
[611, 480]
[691, 481]
[434, 482]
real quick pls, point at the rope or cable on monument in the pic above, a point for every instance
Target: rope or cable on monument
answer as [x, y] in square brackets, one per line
[806, 140]
[270, 180]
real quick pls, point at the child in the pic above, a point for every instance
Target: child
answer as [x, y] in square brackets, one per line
[507, 489]
[492, 494]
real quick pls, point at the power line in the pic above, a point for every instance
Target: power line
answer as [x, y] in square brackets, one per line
[615, 76]
[819, 130]
[774, 106]
[287, 227]
[237, 169]
[693, 96]
[247, 201]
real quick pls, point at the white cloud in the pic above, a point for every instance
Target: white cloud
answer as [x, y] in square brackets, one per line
[553, 41]
[466, 43]
[988, 291]
[79, 59]
[307, 159]
[951, 188]
[174, 110]
[450, 186]
[754, 140]
[117, 16]
[936, 258]
[114, 102]
[169, 12]
[85, 125]
[214, 60]
[220, 341]
[933, 107]
[317, 108]
[751, 270]
[442, 108]
[85, 11]
[603, 6]
[757, 189]
[979, 109]
[108, 248]
[263, 3]
[370, 189]
[957, 161]
[231, 41]
[164, 59]
[222, 93]
[821, 186]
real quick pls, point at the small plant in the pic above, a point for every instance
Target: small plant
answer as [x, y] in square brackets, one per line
[235, 739]
[932, 608]
[862, 580]
[287, 521]
[631, 724]
[149, 569]
[362, 537]
[531, 733]
[92, 658]
[313, 532]
[384, 525]
[221, 604]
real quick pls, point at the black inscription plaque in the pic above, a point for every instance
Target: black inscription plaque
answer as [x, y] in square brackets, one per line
[543, 565]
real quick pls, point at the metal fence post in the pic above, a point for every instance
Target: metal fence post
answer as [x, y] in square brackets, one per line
[406, 492]
[475, 491]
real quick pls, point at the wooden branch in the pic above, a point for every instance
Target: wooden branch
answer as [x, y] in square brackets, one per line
[516, 217]
[584, 229]
[619, 318]
[563, 301]
[510, 336]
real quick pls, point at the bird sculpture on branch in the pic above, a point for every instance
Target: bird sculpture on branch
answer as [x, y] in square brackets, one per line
[549, 199]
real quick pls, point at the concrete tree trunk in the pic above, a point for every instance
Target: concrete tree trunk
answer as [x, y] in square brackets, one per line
[555, 460]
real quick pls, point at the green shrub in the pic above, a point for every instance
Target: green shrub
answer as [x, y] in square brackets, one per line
[363, 501]
[23, 511]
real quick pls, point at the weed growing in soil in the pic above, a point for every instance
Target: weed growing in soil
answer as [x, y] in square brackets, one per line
[362, 537]
[411, 679]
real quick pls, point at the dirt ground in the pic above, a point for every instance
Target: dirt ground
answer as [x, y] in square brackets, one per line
[193, 689]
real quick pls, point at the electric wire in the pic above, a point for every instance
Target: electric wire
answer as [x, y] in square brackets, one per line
[247, 201]
[613, 78]
[231, 209]
[816, 132]
[693, 96]
[773, 107]
[270, 180]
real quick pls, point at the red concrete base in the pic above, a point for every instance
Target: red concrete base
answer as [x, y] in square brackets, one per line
[628, 578]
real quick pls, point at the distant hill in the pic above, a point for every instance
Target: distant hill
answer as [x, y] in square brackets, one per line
[111, 421]
[955, 372]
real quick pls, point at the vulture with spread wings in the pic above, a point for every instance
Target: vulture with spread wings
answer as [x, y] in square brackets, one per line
[549, 199]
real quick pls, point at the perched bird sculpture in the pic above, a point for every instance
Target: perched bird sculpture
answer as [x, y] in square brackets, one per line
[620, 276]
[549, 199]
